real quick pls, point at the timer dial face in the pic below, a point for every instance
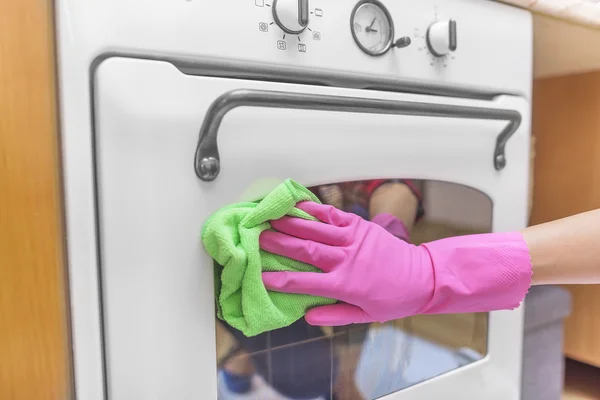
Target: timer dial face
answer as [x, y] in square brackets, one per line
[372, 27]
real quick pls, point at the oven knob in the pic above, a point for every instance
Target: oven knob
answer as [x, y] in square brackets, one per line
[441, 37]
[291, 15]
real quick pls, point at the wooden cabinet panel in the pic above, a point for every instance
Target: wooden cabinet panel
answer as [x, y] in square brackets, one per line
[566, 124]
[34, 349]
[583, 326]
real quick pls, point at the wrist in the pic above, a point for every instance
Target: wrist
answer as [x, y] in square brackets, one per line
[543, 258]
[479, 273]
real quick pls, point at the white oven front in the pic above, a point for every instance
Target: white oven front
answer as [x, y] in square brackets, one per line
[171, 148]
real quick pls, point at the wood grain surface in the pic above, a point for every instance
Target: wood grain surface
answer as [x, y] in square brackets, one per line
[34, 351]
[566, 123]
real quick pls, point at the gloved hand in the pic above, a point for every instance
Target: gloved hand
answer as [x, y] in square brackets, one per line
[380, 278]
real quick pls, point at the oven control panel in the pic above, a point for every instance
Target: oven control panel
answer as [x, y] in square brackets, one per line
[455, 42]
[371, 26]
[432, 36]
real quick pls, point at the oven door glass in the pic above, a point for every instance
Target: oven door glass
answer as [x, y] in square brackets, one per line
[436, 173]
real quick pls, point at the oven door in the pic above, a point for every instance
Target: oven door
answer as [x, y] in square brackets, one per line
[172, 148]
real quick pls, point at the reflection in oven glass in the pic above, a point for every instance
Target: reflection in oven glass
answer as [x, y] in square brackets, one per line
[363, 362]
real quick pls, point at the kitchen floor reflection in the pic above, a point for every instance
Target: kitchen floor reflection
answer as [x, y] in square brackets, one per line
[364, 362]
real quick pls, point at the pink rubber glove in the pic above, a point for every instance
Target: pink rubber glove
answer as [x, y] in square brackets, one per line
[380, 278]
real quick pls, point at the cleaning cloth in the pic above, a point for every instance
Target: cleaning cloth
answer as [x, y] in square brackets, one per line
[230, 236]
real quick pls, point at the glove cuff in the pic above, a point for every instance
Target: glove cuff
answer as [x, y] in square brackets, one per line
[479, 273]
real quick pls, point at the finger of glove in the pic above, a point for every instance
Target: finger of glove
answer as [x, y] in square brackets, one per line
[327, 213]
[338, 314]
[322, 256]
[311, 230]
[311, 283]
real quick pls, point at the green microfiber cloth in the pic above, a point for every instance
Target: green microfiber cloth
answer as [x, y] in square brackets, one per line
[230, 236]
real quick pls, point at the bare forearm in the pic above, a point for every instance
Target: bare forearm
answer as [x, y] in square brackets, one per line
[566, 250]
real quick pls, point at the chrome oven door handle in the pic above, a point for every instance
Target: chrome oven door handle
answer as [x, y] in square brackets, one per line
[208, 164]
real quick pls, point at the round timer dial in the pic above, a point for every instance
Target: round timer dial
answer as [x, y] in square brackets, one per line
[372, 27]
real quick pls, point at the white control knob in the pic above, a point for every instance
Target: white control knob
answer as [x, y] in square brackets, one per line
[441, 37]
[291, 15]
